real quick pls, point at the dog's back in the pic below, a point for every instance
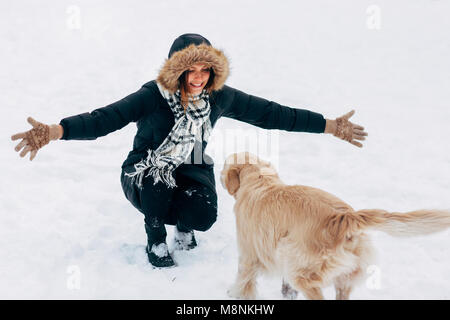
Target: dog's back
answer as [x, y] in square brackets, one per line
[284, 225]
[309, 236]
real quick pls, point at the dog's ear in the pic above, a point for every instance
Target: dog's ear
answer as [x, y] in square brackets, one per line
[232, 182]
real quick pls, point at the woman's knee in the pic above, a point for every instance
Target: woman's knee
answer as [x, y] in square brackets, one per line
[195, 205]
[198, 218]
[207, 223]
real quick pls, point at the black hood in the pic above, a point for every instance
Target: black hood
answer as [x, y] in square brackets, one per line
[185, 40]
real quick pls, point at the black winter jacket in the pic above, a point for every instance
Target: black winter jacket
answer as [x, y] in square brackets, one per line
[154, 120]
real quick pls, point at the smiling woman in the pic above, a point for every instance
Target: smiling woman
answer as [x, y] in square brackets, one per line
[175, 115]
[194, 80]
[197, 78]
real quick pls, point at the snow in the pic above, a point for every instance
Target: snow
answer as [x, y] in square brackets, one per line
[67, 230]
[161, 250]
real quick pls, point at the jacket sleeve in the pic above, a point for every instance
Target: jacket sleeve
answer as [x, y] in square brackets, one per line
[271, 115]
[102, 121]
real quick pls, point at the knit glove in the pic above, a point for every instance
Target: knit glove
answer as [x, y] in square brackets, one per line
[36, 138]
[345, 130]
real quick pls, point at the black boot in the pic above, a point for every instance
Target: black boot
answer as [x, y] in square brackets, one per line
[184, 238]
[159, 256]
[157, 251]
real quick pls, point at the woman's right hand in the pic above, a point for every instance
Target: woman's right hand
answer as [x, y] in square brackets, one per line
[34, 139]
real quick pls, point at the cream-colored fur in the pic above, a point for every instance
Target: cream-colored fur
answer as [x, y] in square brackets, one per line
[308, 236]
[184, 59]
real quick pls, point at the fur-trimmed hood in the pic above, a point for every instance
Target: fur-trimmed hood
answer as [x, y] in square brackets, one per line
[183, 59]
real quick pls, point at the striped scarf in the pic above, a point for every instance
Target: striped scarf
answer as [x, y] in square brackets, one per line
[180, 141]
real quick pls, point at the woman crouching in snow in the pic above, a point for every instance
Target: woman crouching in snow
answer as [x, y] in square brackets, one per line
[175, 114]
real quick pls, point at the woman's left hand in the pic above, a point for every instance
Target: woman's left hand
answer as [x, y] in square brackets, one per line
[346, 130]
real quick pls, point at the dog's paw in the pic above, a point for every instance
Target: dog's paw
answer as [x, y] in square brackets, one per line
[288, 292]
[290, 295]
[236, 293]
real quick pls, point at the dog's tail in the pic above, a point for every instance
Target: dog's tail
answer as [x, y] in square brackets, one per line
[413, 223]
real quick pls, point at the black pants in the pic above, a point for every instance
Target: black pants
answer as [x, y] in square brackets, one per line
[191, 205]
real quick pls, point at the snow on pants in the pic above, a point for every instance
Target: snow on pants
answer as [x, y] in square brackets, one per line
[191, 204]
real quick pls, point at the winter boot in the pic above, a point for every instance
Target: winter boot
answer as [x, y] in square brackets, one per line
[157, 250]
[159, 256]
[184, 238]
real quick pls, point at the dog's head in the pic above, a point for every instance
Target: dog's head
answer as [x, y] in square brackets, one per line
[239, 165]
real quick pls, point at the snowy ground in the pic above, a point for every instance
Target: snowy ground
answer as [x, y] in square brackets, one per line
[66, 229]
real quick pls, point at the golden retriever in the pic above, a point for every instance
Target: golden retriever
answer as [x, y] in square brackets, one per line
[308, 236]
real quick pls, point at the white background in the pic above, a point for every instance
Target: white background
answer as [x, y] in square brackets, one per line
[66, 229]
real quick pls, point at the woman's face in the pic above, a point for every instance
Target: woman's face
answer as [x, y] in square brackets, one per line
[197, 78]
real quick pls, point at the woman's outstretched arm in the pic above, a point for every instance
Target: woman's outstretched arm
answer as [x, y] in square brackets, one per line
[115, 116]
[271, 115]
[89, 125]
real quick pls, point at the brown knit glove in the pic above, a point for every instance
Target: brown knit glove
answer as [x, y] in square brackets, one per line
[36, 138]
[345, 130]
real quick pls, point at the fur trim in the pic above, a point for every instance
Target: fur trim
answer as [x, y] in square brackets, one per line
[182, 60]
